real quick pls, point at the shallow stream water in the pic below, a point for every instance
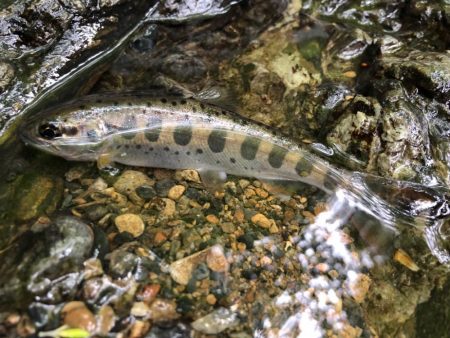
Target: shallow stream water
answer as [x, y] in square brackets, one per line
[149, 252]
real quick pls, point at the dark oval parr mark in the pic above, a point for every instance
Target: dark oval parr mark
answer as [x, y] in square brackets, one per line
[216, 140]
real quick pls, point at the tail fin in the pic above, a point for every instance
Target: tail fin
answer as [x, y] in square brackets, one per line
[398, 203]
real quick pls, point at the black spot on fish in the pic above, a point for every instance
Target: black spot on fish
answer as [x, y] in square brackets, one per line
[199, 151]
[138, 146]
[202, 106]
[154, 125]
[163, 100]
[146, 152]
[194, 109]
[303, 167]
[150, 148]
[166, 148]
[217, 162]
[188, 153]
[216, 140]
[174, 103]
[98, 101]
[118, 146]
[224, 112]
[82, 107]
[276, 156]
[183, 102]
[177, 153]
[127, 146]
[249, 147]
[245, 168]
[115, 103]
[70, 131]
[130, 104]
[329, 181]
[233, 160]
[182, 135]
[149, 104]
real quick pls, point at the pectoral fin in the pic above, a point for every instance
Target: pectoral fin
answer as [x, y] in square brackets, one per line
[106, 164]
[213, 180]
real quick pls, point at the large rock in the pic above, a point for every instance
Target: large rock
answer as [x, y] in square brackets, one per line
[44, 262]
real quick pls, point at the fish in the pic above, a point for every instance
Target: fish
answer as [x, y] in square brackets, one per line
[188, 133]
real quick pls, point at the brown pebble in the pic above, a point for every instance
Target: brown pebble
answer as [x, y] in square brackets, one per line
[169, 208]
[105, 320]
[148, 293]
[350, 74]
[261, 193]
[139, 329]
[403, 258]
[262, 221]
[216, 259]
[163, 310]
[12, 319]
[359, 287]
[212, 219]
[160, 238]
[188, 175]
[77, 315]
[265, 260]
[161, 174]
[181, 270]
[140, 309]
[130, 223]
[211, 299]
[176, 192]
[274, 228]
[249, 193]
[239, 216]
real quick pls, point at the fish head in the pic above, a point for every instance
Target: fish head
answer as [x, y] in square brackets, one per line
[74, 135]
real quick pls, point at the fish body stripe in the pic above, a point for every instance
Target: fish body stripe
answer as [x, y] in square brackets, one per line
[217, 140]
[303, 167]
[276, 156]
[182, 135]
[249, 147]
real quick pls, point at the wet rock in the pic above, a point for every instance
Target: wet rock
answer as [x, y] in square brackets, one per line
[101, 290]
[105, 320]
[182, 269]
[139, 329]
[129, 181]
[146, 192]
[148, 293]
[188, 175]
[262, 221]
[77, 315]
[216, 259]
[35, 195]
[45, 262]
[163, 310]
[122, 263]
[216, 322]
[140, 309]
[169, 208]
[6, 75]
[429, 72]
[130, 223]
[163, 187]
[180, 330]
[176, 192]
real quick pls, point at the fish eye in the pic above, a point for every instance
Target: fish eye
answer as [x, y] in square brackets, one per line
[49, 131]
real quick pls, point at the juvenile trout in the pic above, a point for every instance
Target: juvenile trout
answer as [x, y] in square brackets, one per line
[181, 133]
[174, 133]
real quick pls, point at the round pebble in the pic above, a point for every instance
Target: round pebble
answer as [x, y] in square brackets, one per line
[212, 219]
[130, 223]
[176, 192]
[216, 259]
[262, 221]
[77, 315]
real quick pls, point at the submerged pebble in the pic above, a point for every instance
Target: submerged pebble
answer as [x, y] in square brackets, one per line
[130, 223]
